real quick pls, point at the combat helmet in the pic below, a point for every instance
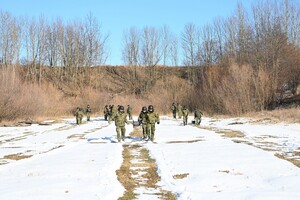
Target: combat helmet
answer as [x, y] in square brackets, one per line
[144, 109]
[151, 108]
[121, 108]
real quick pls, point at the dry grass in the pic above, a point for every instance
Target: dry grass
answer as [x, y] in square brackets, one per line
[292, 160]
[289, 115]
[54, 98]
[231, 134]
[136, 132]
[17, 156]
[189, 141]
[226, 133]
[79, 136]
[129, 170]
[180, 176]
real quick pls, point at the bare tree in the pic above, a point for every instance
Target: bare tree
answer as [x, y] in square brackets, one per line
[151, 52]
[189, 44]
[95, 43]
[165, 42]
[174, 50]
[131, 47]
[10, 42]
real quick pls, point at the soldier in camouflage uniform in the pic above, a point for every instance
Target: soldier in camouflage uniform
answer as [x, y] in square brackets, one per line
[106, 112]
[113, 111]
[88, 112]
[153, 118]
[179, 109]
[185, 113]
[129, 112]
[197, 116]
[143, 119]
[174, 109]
[79, 115]
[120, 118]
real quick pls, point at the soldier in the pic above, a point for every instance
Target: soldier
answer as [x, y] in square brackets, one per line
[120, 118]
[129, 112]
[79, 115]
[179, 109]
[143, 118]
[185, 113]
[197, 116]
[88, 112]
[174, 109]
[106, 112]
[153, 118]
[113, 111]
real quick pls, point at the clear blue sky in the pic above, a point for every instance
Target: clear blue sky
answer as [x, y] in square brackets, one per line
[115, 16]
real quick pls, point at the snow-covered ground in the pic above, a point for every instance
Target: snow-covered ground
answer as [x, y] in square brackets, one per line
[67, 161]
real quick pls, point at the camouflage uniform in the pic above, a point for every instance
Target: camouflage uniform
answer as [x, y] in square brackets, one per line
[179, 109]
[174, 109]
[120, 118]
[153, 118]
[197, 116]
[129, 112]
[106, 112]
[185, 113]
[143, 119]
[113, 112]
[79, 115]
[88, 112]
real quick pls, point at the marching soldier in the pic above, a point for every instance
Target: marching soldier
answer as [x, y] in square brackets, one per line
[185, 113]
[197, 116]
[179, 109]
[174, 109]
[129, 112]
[79, 115]
[143, 119]
[153, 118]
[88, 112]
[113, 111]
[106, 112]
[120, 118]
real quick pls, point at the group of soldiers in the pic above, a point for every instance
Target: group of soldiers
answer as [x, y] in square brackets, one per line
[110, 110]
[147, 118]
[183, 112]
[80, 112]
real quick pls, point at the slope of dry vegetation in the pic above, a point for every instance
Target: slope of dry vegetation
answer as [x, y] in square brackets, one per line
[218, 90]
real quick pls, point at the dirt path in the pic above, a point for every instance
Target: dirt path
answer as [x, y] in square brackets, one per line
[138, 173]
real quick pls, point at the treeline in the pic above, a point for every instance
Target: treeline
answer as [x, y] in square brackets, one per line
[257, 36]
[234, 65]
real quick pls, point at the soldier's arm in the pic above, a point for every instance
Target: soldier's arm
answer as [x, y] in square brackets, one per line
[157, 118]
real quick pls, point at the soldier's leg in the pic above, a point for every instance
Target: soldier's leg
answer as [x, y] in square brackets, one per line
[148, 130]
[185, 120]
[123, 130]
[77, 120]
[152, 132]
[118, 133]
[196, 120]
[144, 127]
